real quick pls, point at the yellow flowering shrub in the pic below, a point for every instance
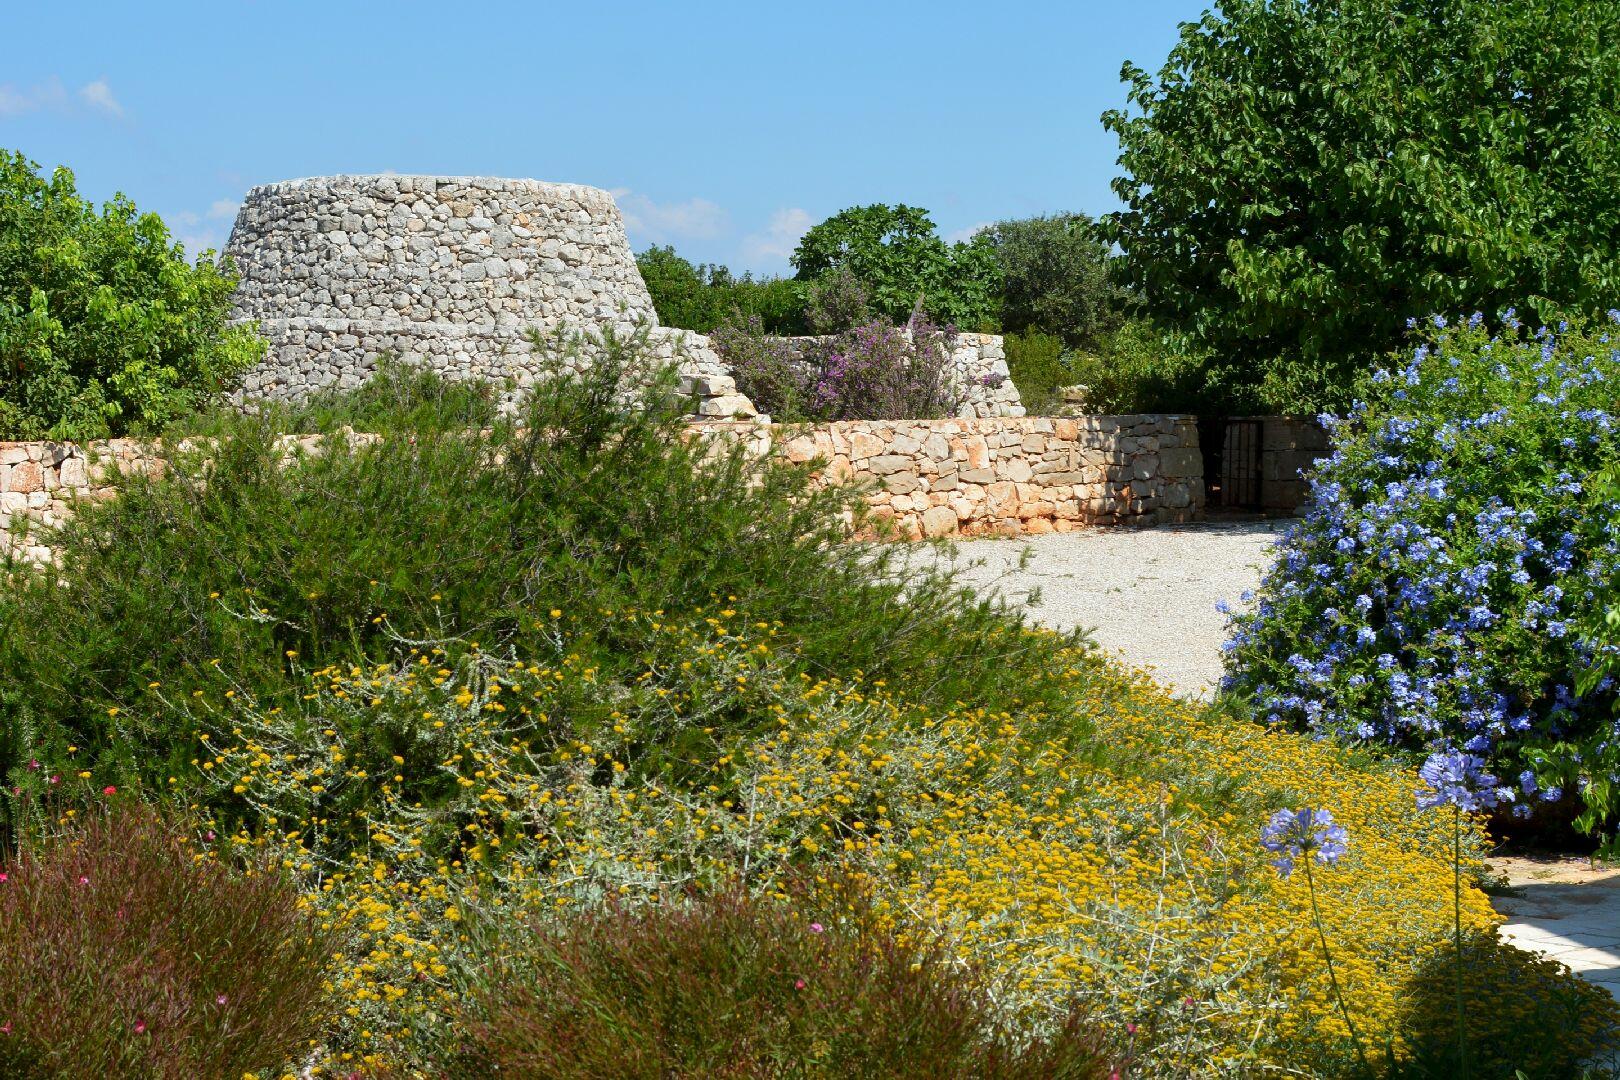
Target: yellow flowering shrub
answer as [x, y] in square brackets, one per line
[1109, 854]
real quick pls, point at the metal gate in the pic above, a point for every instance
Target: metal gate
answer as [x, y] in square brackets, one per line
[1240, 465]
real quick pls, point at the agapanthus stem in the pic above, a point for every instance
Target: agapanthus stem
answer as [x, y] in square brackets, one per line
[1456, 912]
[1333, 978]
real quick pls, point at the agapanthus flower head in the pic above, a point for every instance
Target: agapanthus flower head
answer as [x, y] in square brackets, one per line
[1293, 834]
[1455, 778]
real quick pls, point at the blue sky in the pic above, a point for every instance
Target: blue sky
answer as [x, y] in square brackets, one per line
[725, 129]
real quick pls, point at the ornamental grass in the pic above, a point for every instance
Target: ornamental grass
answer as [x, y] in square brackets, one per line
[125, 955]
[736, 985]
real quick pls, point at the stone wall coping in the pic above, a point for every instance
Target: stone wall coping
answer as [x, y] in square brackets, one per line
[409, 182]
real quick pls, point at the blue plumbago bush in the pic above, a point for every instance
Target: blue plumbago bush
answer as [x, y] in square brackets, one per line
[1433, 596]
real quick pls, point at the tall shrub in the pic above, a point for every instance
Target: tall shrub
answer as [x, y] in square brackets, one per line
[598, 499]
[873, 371]
[1432, 596]
[702, 297]
[104, 326]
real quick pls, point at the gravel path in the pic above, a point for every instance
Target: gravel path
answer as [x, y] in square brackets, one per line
[1150, 594]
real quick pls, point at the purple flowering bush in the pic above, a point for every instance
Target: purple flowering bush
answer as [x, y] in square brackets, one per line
[873, 371]
[1433, 596]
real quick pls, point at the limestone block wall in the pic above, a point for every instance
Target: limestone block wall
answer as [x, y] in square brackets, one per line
[452, 272]
[969, 476]
[1014, 475]
[40, 481]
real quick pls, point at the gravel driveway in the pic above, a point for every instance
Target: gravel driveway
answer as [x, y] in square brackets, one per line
[1150, 594]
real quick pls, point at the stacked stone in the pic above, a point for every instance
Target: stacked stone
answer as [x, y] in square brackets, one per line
[40, 481]
[1289, 448]
[998, 475]
[450, 272]
[980, 379]
[1011, 476]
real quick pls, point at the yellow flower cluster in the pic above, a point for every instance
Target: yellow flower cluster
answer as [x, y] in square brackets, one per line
[431, 805]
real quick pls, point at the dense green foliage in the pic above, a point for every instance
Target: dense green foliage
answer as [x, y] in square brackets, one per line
[231, 555]
[1300, 178]
[1056, 279]
[1135, 369]
[701, 298]
[738, 986]
[1435, 594]
[897, 254]
[104, 327]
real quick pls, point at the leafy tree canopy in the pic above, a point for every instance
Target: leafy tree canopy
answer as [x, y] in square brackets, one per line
[702, 296]
[1055, 278]
[897, 253]
[104, 326]
[1302, 177]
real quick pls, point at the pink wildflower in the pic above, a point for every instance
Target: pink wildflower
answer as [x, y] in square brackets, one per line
[816, 928]
[109, 790]
[140, 1027]
[798, 984]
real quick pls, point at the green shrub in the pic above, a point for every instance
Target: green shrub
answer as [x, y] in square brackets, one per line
[895, 252]
[1039, 366]
[588, 501]
[734, 986]
[104, 328]
[128, 957]
[1433, 596]
[1056, 279]
[1137, 369]
[701, 298]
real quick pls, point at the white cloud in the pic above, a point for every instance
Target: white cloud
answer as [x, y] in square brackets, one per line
[694, 219]
[53, 96]
[223, 209]
[15, 101]
[199, 232]
[779, 237]
[99, 96]
[962, 236]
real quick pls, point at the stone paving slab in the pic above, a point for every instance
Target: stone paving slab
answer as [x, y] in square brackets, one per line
[1567, 909]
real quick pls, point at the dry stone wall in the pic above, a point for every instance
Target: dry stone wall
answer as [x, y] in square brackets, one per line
[1012, 476]
[970, 476]
[451, 272]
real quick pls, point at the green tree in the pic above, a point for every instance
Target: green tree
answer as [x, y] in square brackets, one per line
[1055, 279]
[702, 297]
[104, 326]
[897, 253]
[1302, 177]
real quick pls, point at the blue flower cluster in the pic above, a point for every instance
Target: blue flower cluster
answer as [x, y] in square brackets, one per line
[1437, 593]
[1294, 834]
[1452, 778]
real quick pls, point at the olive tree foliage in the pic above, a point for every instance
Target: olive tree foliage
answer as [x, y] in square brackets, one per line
[1302, 177]
[1056, 279]
[897, 254]
[105, 328]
